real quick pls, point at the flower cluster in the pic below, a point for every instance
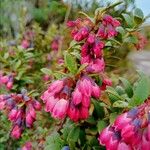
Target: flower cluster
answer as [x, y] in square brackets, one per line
[92, 49]
[21, 111]
[141, 41]
[27, 40]
[66, 97]
[108, 27]
[131, 130]
[7, 80]
[27, 146]
[55, 43]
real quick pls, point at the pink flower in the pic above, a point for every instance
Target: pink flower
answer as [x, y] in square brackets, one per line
[36, 105]
[9, 85]
[124, 146]
[29, 120]
[16, 132]
[101, 32]
[60, 109]
[2, 102]
[85, 59]
[56, 86]
[85, 86]
[86, 101]
[77, 97]
[4, 79]
[12, 115]
[113, 142]
[50, 103]
[73, 113]
[84, 112]
[96, 91]
[91, 38]
[81, 34]
[105, 135]
[97, 66]
[122, 121]
[84, 50]
[27, 146]
[71, 23]
[46, 95]
[25, 44]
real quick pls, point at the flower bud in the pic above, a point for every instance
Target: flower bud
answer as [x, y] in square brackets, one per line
[77, 97]
[73, 113]
[60, 109]
[84, 112]
[16, 132]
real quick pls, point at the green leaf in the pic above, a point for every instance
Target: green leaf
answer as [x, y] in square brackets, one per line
[138, 16]
[28, 55]
[109, 44]
[46, 71]
[17, 65]
[6, 55]
[54, 142]
[101, 125]
[127, 86]
[70, 63]
[121, 30]
[129, 20]
[131, 39]
[120, 104]
[98, 110]
[113, 95]
[74, 134]
[120, 90]
[138, 13]
[142, 91]
[82, 67]
[112, 117]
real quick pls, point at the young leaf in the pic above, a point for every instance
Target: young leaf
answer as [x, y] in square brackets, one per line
[120, 104]
[17, 65]
[138, 13]
[142, 91]
[54, 142]
[46, 71]
[101, 125]
[74, 134]
[112, 117]
[70, 63]
[138, 16]
[129, 20]
[127, 86]
[131, 39]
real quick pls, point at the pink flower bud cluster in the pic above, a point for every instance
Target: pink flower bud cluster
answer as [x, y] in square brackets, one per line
[55, 43]
[25, 44]
[108, 27]
[27, 146]
[92, 49]
[142, 41]
[81, 98]
[7, 80]
[106, 82]
[66, 98]
[130, 131]
[21, 111]
[27, 41]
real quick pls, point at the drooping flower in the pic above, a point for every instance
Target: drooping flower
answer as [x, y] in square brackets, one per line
[21, 111]
[27, 146]
[128, 130]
